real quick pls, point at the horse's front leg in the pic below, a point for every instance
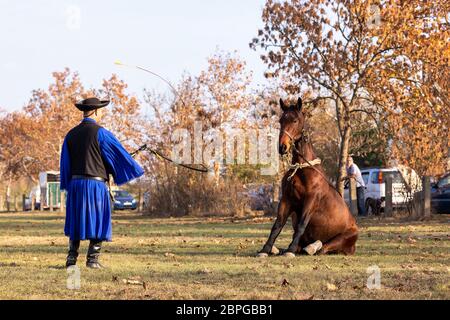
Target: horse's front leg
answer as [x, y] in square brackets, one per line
[284, 209]
[303, 221]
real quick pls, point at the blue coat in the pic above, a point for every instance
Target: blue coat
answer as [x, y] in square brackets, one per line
[88, 204]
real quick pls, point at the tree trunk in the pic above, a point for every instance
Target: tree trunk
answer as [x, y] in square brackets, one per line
[342, 171]
[8, 194]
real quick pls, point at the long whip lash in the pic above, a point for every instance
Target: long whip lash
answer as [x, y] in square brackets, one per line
[158, 154]
[119, 63]
[144, 147]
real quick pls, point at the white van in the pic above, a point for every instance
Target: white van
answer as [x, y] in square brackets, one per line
[374, 178]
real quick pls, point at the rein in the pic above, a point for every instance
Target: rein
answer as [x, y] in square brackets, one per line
[300, 166]
[160, 156]
[308, 164]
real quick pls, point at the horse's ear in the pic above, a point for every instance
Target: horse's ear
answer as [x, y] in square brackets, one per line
[283, 106]
[299, 104]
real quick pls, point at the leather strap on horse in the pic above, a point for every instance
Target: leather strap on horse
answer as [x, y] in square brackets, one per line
[311, 165]
[305, 137]
[307, 164]
[318, 171]
[160, 156]
[299, 166]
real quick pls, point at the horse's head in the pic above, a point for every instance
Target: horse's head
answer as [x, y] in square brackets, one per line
[292, 123]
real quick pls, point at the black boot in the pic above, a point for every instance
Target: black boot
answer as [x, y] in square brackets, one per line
[93, 254]
[74, 245]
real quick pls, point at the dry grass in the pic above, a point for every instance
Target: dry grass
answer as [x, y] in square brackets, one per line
[193, 258]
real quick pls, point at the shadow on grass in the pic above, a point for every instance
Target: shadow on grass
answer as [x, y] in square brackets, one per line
[384, 252]
[135, 251]
[26, 218]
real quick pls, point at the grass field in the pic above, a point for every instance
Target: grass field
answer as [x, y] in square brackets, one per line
[212, 258]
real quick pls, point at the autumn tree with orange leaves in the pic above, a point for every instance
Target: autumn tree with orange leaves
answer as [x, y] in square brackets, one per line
[218, 98]
[31, 139]
[414, 88]
[363, 56]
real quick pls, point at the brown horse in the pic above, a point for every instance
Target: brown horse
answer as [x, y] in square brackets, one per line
[318, 210]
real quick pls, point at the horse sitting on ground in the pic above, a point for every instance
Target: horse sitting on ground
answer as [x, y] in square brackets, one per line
[318, 211]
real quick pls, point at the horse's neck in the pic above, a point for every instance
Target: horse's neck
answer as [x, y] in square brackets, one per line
[306, 152]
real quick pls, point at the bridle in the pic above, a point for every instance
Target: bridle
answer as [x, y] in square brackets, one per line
[308, 164]
[304, 136]
[293, 141]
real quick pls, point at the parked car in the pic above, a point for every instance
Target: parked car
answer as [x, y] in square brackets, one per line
[375, 194]
[124, 200]
[259, 196]
[440, 195]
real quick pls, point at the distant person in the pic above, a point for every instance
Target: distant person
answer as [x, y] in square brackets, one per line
[89, 155]
[354, 173]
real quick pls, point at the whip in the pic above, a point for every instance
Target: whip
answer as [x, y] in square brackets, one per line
[160, 156]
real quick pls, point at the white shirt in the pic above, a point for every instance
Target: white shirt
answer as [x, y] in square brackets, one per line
[354, 170]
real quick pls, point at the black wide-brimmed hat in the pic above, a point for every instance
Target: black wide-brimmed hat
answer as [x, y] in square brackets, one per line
[90, 104]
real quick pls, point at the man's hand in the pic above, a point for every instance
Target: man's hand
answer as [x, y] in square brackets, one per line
[350, 176]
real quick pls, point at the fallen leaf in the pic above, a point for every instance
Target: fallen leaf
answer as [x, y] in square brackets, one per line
[331, 287]
[205, 271]
[133, 282]
[12, 264]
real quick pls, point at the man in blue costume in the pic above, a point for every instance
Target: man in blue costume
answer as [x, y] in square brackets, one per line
[89, 155]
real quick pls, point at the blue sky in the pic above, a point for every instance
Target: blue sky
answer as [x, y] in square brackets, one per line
[172, 36]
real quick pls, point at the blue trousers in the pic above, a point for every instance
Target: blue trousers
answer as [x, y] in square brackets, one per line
[360, 199]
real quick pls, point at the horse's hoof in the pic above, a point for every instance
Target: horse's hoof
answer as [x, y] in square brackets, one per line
[313, 248]
[262, 255]
[289, 255]
[321, 252]
[275, 251]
